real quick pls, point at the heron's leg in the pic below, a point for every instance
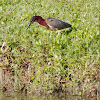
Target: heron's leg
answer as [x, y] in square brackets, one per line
[58, 33]
[51, 34]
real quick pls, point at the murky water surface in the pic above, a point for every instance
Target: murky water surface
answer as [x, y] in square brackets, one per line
[22, 96]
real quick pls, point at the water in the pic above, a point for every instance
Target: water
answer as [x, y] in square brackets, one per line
[22, 96]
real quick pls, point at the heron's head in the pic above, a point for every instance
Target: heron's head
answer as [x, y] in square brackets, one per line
[34, 19]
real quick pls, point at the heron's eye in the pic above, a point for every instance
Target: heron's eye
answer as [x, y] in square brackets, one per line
[36, 19]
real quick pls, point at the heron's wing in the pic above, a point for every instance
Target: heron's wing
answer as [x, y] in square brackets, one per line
[58, 24]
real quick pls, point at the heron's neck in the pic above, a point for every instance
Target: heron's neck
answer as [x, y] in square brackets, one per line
[43, 23]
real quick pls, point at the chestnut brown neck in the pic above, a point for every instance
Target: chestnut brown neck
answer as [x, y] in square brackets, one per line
[42, 22]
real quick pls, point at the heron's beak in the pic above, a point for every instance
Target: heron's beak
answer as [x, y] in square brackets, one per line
[28, 25]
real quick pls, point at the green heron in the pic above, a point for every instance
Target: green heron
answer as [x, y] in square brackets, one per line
[50, 23]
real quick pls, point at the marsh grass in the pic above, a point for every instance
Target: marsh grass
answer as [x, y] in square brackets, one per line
[36, 61]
